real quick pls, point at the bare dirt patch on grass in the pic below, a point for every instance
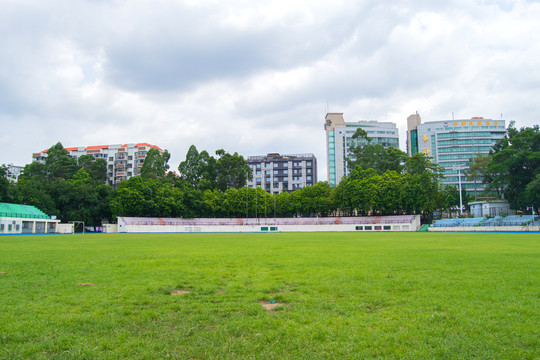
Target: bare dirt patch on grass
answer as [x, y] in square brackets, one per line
[180, 292]
[270, 306]
[85, 284]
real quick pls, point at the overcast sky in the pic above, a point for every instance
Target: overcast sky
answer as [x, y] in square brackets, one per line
[252, 78]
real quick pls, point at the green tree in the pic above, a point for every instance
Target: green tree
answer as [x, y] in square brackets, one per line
[58, 164]
[515, 162]
[477, 169]
[420, 162]
[4, 184]
[314, 200]
[532, 193]
[155, 164]
[198, 169]
[96, 168]
[232, 171]
[374, 156]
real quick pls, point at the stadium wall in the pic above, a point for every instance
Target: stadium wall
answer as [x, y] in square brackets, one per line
[138, 225]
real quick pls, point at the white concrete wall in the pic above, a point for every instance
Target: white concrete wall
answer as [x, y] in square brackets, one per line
[110, 228]
[64, 228]
[16, 225]
[257, 228]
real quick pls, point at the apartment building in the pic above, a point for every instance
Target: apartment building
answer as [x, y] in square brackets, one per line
[276, 173]
[123, 161]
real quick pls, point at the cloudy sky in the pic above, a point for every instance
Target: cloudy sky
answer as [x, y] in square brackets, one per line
[252, 78]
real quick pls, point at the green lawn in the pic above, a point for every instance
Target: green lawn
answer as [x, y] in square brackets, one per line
[340, 295]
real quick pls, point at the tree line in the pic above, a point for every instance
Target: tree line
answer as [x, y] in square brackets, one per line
[381, 182]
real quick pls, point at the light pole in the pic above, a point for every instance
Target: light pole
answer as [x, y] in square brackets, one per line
[459, 168]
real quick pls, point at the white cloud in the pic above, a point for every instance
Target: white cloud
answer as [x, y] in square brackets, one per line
[255, 77]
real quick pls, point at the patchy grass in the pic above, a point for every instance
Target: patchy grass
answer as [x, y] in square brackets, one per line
[344, 295]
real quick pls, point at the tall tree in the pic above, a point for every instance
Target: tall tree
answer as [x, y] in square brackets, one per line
[4, 184]
[232, 171]
[374, 156]
[515, 162]
[155, 164]
[477, 169]
[58, 164]
[420, 162]
[198, 169]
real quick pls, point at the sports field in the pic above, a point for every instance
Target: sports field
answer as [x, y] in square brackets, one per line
[270, 296]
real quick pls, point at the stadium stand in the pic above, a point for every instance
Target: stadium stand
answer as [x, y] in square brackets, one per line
[25, 219]
[512, 220]
[21, 211]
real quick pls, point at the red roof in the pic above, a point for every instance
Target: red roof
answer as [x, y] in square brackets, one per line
[97, 147]
[149, 145]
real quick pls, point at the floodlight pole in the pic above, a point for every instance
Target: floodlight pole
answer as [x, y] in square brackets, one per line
[460, 193]
[459, 168]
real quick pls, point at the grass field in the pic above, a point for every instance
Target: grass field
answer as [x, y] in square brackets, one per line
[338, 295]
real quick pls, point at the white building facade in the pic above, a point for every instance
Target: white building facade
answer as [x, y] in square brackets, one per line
[123, 161]
[339, 141]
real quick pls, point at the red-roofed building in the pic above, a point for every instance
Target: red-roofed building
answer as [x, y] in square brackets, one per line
[123, 160]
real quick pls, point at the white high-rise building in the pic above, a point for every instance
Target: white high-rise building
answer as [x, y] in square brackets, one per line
[123, 161]
[339, 141]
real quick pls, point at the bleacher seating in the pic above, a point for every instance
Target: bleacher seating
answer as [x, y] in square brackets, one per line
[512, 220]
[21, 211]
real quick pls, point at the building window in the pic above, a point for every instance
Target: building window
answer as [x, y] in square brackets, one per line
[267, 179]
[258, 180]
[258, 172]
[308, 177]
[285, 179]
[258, 166]
[275, 172]
[276, 165]
[286, 172]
